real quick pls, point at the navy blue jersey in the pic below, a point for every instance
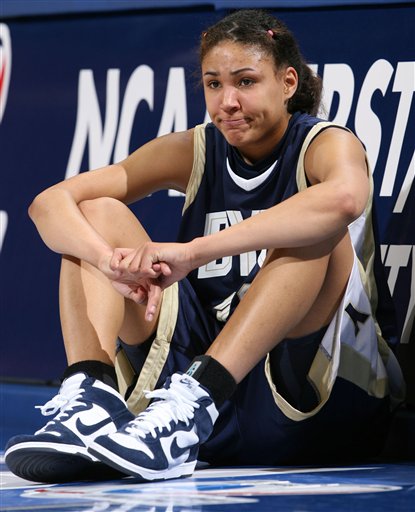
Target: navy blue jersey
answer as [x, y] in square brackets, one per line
[223, 190]
[228, 191]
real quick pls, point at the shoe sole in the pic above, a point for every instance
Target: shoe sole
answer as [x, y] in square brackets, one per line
[185, 469]
[40, 463]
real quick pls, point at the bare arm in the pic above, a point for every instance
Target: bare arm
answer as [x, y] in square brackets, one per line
[165, 162]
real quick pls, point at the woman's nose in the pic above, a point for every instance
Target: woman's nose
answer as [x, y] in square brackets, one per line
[230, 99]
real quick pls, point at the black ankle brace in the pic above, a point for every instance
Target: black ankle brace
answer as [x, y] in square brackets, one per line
[96, 369]
[214, 377]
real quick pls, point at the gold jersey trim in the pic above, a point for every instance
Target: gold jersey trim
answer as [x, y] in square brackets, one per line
[198, 169]
[156, 357]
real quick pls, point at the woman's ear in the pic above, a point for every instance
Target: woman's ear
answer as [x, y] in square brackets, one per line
[290, 78]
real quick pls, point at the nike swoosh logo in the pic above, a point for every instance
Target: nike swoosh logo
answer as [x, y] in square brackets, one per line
[87, 430]
[176, 451]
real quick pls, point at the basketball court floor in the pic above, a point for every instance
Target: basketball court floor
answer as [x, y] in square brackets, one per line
[381, 486]
[377, 487]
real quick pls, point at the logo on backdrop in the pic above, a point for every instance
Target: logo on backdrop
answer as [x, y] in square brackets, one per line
[107, 137]
[5, 70]
[5, 66]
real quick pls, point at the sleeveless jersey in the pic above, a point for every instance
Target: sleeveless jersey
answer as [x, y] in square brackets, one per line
[224, 190]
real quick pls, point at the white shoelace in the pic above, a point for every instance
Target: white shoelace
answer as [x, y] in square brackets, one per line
[174, 405]
[65, 401]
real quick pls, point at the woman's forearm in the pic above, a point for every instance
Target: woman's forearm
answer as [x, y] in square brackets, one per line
[65, 230]
[304, 219]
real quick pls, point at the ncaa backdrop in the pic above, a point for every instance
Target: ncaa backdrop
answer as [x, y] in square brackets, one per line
[82, 91]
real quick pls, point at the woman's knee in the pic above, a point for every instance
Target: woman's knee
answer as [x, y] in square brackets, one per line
[95, 209]
[114, 221]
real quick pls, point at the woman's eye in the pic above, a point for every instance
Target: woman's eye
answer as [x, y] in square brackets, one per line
[246, 82]
[214, 84]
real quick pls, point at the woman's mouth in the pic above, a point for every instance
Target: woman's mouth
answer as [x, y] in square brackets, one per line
[234, 122]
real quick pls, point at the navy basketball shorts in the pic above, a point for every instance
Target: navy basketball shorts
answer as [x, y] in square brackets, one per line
[317, 399]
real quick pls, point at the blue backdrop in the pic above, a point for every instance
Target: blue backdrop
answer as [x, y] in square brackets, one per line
[81, 91]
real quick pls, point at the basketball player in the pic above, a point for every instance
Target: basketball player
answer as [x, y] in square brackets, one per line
[252, 340]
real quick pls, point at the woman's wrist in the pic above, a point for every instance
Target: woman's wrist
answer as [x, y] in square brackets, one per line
[203, 250]
[196, 256]
[103, 261]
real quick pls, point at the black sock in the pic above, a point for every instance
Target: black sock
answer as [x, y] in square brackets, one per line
[214, 377]
[101, 371]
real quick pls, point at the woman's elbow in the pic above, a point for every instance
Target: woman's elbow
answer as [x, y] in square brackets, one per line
[41, 204]
[352, 205]
[35, 206]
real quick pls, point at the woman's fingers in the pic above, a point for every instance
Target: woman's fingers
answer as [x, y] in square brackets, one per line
[153, 301]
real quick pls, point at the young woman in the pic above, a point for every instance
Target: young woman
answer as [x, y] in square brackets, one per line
[258, 321]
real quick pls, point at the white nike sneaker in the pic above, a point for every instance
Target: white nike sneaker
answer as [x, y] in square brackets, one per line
[86, 408]
[163, 441]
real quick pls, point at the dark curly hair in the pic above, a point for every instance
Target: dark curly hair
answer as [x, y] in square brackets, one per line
[255, 27]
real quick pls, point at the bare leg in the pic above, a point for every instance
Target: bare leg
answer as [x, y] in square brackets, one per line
[92, 313]
[295, 293]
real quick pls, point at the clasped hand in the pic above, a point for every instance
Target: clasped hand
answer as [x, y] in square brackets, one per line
[142, 274]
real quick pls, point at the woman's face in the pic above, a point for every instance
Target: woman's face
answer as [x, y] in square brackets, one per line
[246, 97]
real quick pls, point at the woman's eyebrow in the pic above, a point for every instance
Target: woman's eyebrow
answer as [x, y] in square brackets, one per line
[235, 72]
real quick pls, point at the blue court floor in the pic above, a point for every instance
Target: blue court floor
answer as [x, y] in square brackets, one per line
[377, 487]
[361, 488]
